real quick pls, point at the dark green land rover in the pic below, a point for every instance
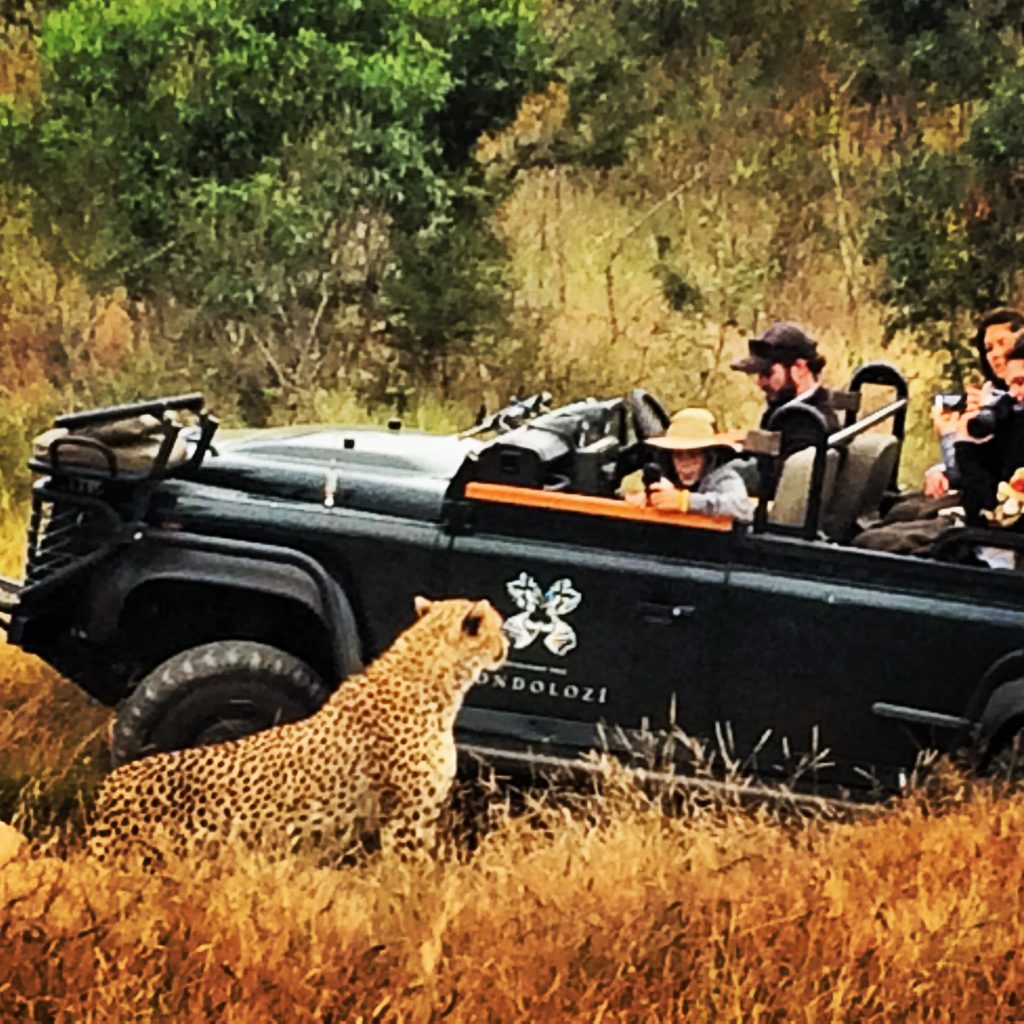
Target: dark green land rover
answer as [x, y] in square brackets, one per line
[210, 589]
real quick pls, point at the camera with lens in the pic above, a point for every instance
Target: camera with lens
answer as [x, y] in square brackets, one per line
[951, 403]
[986, 420]
[651, 475]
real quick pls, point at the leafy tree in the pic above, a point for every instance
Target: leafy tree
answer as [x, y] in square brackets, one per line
[228, 154]
[949, 226]
[459, 317]
[924, 54]
[929, 267]
[996, 204]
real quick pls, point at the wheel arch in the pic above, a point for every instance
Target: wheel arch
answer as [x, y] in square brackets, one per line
[998, 705]
[232, 594]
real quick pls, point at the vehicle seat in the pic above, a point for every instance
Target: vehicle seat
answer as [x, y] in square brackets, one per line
[790, 504]
[860, 484]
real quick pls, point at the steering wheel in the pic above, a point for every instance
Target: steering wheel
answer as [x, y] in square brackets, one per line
[646, 413]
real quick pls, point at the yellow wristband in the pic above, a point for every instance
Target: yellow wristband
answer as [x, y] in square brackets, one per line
[684, 501]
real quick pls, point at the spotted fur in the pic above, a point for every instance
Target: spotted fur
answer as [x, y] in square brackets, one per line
[377, 758]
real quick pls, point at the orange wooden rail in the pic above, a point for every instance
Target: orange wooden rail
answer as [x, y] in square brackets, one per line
[591, 506]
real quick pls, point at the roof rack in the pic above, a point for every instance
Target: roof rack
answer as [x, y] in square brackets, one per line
[192, 402]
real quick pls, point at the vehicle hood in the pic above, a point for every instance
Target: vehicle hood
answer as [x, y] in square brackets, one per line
[397, 472]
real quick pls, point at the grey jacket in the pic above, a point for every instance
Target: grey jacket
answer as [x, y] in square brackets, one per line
[947, 446]
[722, 493]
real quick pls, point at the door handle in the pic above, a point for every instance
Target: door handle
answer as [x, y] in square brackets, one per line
[664, 614]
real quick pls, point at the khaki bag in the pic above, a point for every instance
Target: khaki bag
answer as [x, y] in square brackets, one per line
[135, 443]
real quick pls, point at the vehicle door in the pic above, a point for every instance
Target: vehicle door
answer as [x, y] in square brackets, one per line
[858, 659]
[612, 620]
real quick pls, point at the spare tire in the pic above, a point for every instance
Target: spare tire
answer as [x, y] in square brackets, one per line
[212, 693]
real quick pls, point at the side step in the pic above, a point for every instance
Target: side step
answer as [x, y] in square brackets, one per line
[528, 763]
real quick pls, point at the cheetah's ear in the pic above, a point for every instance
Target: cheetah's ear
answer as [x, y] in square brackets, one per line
[422, 605]
[471, 623]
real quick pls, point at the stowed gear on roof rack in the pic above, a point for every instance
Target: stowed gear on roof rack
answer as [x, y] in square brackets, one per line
[134, 442]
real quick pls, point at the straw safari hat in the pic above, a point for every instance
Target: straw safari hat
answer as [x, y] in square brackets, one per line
[693, 430]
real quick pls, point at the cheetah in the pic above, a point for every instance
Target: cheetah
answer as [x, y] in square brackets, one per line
[378, 758]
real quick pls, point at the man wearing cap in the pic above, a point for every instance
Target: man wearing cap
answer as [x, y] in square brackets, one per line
[691, 471]
[787, 365]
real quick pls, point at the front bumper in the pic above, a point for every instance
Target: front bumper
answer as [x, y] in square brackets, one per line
[10, 592]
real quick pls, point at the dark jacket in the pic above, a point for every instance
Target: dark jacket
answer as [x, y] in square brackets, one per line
[984, 464]
[798, 435]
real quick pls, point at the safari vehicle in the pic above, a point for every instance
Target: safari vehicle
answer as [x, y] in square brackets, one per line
[207, 590]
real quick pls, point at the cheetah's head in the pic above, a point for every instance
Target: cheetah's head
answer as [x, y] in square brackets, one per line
[468, 635]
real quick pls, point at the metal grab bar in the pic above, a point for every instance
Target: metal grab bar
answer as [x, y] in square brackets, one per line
[849, 432]
[192, 402]
[885, 375]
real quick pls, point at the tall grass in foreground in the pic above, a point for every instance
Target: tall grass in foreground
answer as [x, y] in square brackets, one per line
[53, 738]
[608, 912]
[54, 747]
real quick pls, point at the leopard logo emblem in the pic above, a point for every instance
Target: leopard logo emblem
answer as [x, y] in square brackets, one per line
[542, 613]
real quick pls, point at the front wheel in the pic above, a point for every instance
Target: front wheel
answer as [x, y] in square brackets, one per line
[213, 693]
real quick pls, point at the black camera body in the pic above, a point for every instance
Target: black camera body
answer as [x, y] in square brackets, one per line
[651, 475]
[986, 420]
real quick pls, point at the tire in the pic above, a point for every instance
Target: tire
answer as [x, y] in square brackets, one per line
[213, 693]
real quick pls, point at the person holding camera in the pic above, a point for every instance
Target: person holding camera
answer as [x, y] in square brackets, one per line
[918, 521]
[990, 442]
[690, 471]
[993, 339]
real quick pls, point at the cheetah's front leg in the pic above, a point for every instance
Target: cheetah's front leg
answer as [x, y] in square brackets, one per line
[412, 829]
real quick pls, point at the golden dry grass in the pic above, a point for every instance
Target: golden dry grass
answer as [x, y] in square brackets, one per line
[621, 914]
[53, 739]
[12, 544]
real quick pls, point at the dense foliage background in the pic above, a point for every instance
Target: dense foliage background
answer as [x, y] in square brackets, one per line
[314, 209]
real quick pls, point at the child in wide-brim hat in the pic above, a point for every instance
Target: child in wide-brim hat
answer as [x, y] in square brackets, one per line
[695, 472]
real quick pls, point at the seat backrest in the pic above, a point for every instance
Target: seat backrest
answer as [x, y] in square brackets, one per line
[790, 504]
[860, 484]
